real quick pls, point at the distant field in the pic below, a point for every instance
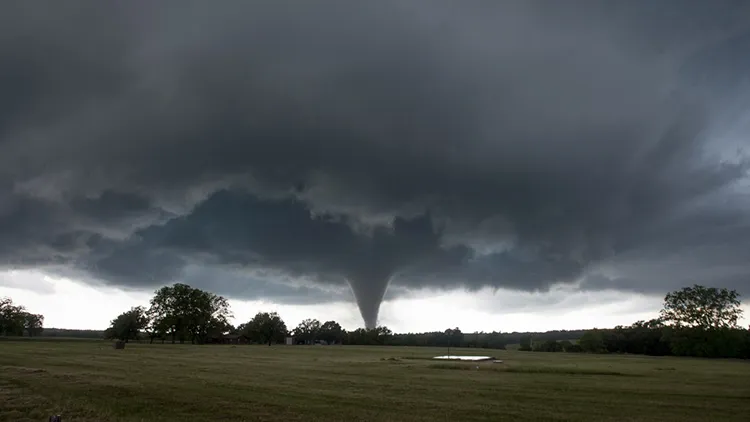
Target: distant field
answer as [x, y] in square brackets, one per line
[90, 381]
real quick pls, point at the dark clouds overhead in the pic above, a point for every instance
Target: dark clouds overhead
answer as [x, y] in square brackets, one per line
[243, 145]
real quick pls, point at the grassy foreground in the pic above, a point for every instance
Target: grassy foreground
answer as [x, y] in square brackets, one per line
[90, 381]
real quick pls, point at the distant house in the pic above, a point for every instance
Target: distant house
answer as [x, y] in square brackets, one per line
[289, 341]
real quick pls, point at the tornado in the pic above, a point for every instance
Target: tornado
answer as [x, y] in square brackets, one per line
[374, 262]
[369, 288]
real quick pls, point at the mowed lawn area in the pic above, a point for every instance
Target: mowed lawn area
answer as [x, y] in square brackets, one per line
[90, 381]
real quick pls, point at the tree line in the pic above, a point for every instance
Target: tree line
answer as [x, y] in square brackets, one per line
[15, 320]
[695, 321]
[181, 313]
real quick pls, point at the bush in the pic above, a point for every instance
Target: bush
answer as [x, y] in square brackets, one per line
[574, 348]
[548, 346]
[592, 342]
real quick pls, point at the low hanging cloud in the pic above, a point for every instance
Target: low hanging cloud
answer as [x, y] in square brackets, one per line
[293, 151]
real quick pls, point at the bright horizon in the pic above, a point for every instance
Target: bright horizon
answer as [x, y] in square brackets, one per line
[74, 305]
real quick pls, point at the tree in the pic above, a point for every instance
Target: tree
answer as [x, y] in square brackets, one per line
[548, 346]
[493, 340]
[380, 334]
[217, 328]
[332, 332]
[156, 328]
[703, 307]
[184, 312]
[592, 342]
[308, 330]
[574, 348]
[128, 324]
[168, 309]
[33, 323]
[358, 336]
[525, 344]
[374, 336]
[265, 328]
[12, 318]
[454, 337]
[208, 315]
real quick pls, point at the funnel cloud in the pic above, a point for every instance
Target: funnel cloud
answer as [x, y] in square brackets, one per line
[301, 153]
[369, 290]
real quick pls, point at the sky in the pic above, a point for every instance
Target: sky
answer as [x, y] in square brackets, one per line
[519, 165]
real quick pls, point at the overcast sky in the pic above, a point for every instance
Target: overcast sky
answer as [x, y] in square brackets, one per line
[515, 165]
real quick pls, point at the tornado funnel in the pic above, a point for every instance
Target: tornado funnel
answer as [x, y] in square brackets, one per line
[369, 290]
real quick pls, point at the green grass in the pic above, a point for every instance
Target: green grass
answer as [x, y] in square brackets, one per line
[90, 381]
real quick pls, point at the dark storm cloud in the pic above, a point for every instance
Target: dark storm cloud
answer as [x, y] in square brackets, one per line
[431, 144]
[233, 228]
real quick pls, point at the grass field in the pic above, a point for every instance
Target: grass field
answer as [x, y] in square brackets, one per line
[90, 381]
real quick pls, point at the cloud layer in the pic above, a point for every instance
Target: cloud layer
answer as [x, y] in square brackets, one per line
[287, 150]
